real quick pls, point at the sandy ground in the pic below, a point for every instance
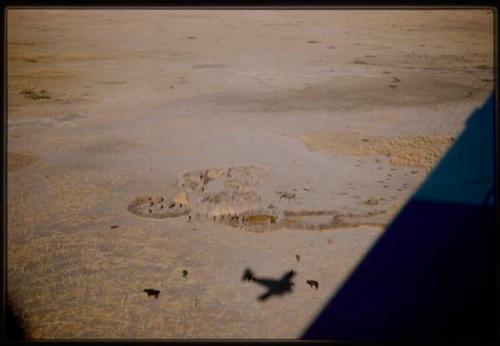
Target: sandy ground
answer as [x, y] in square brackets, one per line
[346, 111]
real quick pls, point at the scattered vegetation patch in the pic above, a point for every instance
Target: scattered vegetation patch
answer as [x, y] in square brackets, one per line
[482, 67]
[259, 219]
[371, 201]
[33, 94]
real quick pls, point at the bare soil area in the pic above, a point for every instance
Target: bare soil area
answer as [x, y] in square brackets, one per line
[175, 150]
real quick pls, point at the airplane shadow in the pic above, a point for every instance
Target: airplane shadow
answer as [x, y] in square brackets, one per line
[431, 274]
[275, 287]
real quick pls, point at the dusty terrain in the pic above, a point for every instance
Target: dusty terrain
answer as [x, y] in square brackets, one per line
[258, 136]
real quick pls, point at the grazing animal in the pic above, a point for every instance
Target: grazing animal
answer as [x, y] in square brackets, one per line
[114, 226]
[189, 218]
[150, 211]
[313, 283]
[171, 205]
[152, 292]
[248, 276]
[161, 206]
[297, 257]
[185, 273]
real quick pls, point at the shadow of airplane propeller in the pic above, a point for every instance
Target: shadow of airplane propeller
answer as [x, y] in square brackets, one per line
[274, 287]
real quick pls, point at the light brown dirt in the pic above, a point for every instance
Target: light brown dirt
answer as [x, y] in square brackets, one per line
[134, 98]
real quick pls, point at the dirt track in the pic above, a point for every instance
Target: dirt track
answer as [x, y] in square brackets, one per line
[346, 110]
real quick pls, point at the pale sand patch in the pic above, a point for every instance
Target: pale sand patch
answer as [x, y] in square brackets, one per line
[419, 151]
[111, 145]
[17, 161]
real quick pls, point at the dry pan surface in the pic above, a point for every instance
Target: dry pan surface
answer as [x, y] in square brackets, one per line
[268, 140]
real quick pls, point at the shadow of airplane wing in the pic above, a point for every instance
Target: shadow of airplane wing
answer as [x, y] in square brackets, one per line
[269, 283]
[265, 296]
[274, 287]
[431, 275]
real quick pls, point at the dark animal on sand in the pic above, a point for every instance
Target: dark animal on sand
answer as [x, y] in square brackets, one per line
[313, 283]
[152, 292]
[184, 273]
[297, 257]
[248, 276]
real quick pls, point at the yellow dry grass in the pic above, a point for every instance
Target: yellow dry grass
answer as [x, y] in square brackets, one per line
[260, 219]
[418, 151]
